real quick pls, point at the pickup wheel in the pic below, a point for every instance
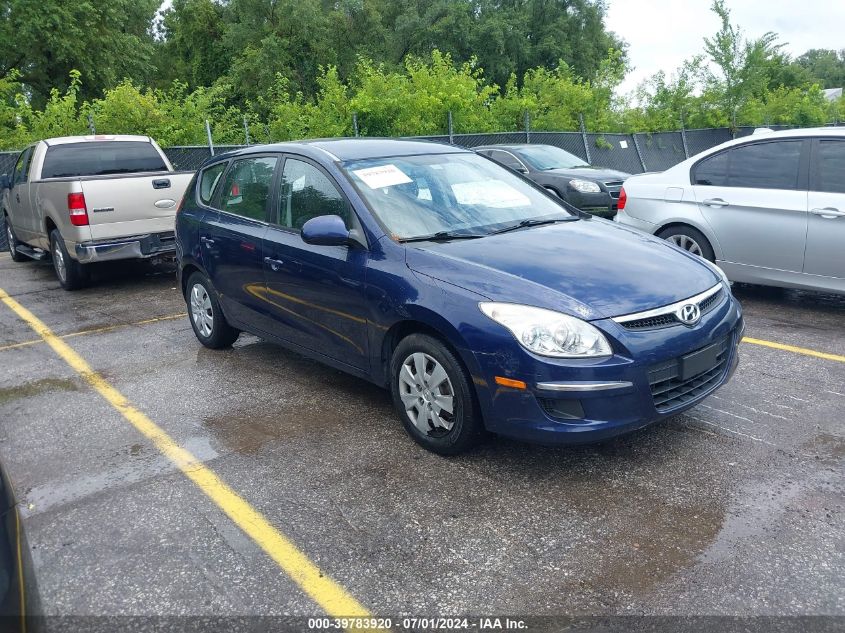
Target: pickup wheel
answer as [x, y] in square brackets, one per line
[13, 242]
[207, 320]
[71, 274]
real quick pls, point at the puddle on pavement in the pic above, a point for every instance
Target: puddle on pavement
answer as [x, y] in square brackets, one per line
[826, 447]
[246, 431]
[35, 388]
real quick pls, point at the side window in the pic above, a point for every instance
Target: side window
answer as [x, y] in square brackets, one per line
[507, 160]
[831, 167]
[208, 181]
[712, 171]
[307, 193]
[22, 166]
[246, 187]
[765, 165]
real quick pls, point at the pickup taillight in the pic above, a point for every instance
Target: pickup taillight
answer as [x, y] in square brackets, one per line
[76, 209]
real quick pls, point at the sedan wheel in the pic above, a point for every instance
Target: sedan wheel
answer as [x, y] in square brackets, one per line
[207, 319]
[201, 311]
[434, 396]
[428, 394]
[686, 243]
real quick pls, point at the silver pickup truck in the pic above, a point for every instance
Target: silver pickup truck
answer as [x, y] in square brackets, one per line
[84, 199]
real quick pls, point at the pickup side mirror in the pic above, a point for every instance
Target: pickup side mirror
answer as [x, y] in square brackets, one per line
[326, 230]
[5, 182]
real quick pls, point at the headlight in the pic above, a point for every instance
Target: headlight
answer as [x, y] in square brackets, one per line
[549, 333]
[584, 186]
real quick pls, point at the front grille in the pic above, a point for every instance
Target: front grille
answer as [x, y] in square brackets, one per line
[670, 392]
[668, 319]
[613, 187]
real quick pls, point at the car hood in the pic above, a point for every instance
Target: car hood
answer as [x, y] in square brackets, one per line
[590, 173]
[590, 268]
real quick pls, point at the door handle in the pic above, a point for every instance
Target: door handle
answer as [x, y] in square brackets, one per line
[275, 264]
[829, 213]
[162, 183]
[207, 241]
[714, 202]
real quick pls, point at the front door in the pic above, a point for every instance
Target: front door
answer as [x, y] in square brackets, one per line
[826, 231]
[754, 197]
[231, 237]
[315, 293]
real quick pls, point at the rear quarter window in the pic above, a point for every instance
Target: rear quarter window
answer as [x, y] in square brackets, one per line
[209, 180]
[93, 158]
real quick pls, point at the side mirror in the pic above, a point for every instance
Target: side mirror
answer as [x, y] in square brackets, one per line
[325, 230]
[521, 169]
[5, 182]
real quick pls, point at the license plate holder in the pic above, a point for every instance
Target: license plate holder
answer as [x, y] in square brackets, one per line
[699, 362]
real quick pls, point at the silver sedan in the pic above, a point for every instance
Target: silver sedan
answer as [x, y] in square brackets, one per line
[768, 208]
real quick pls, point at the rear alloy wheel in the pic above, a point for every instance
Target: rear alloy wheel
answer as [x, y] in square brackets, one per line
[71, 274]
[689, 239]
[433, 396]
[13, 243]
[206, 317]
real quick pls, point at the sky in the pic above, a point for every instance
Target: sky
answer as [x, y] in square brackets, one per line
[661, 34]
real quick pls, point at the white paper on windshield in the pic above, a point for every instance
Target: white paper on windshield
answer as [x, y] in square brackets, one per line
[490, 193]
[383, 176]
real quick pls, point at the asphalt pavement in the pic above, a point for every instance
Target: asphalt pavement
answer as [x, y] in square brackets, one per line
[733, 508]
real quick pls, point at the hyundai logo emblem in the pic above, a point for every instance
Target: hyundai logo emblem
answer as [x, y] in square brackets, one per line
[689, 314]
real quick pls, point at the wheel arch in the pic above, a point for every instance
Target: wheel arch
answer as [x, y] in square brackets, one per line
[424, 321]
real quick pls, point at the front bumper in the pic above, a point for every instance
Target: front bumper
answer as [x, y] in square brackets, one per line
[583, 401]
[601, 204]
[137, 247]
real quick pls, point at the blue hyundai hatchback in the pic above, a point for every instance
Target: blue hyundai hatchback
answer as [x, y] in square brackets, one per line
[479, 300]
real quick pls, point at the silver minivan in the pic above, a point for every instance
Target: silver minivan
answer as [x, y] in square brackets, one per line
[767, 208]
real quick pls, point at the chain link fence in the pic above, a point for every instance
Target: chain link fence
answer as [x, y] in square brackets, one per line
[631, 153]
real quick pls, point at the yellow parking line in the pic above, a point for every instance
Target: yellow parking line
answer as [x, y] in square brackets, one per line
[793, 348]
[333, 598]
[98, 330]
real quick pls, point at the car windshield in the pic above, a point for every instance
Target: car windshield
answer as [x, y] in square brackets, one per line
[545, 157]
[440, 195]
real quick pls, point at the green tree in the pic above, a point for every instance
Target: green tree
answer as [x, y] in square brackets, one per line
[106, 40]
[825, 66]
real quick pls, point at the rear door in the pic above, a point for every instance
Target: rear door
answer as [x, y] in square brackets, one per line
[231, 237]
[315, 293]
[825, 253]
[23, 217]
[754, 196]
[128, 187]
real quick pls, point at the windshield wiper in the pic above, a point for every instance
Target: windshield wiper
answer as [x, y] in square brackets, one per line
[441, 236]
[528, 223]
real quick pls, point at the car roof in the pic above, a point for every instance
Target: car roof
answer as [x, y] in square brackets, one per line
[511, 146]
[344, 149]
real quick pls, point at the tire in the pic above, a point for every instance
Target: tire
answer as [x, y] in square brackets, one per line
[12, 242]
[444, 381]
[690, 239]
[205, 315]
[71, 274]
